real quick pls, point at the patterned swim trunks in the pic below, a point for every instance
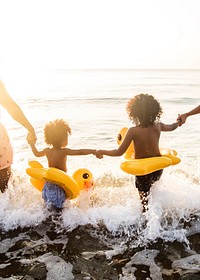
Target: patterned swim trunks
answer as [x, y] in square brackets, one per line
[6, 151]
[53, 195]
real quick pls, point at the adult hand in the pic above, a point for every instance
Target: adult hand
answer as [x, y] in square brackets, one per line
[182, 119]
[31, 138]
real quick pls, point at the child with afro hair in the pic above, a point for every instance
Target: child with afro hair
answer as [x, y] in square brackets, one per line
[145, 112]
[56, 136]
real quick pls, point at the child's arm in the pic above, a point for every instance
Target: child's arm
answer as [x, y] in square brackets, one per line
[34, 149]
[80, 152]
[36, 152]
[121, 149]
[169, 127]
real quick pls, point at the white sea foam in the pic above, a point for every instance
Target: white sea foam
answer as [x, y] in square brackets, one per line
[96, 111]
[172, 202]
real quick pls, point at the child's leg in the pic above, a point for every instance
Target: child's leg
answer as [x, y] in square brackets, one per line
[144, 200]
[4, 178]
[144, 183]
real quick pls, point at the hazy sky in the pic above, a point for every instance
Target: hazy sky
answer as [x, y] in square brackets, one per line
[100, 33]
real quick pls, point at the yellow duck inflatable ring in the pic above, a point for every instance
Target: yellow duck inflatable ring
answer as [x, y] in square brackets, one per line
[82, 179]
[145, 166]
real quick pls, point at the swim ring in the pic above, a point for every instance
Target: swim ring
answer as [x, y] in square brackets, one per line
[82, 179]
[145, 166]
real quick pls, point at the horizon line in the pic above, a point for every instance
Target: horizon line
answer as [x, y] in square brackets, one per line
[113, 69]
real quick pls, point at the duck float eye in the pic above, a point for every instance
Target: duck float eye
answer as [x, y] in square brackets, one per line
[119, 137]
[85, 175]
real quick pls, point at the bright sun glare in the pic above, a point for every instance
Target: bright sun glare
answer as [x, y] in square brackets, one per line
[98, 34]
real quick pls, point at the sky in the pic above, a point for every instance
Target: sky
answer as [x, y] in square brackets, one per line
[100, 34]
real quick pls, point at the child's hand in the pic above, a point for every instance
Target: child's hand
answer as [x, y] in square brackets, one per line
[99, 154]
[30, 139]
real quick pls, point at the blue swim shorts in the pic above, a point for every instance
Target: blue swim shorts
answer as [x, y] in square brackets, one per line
[53, 195]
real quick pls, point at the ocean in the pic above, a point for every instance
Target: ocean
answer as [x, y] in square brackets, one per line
[102, 234]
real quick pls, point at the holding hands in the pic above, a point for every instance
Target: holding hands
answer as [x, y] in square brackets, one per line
[31, 139]
[183, 117]
[99, 154]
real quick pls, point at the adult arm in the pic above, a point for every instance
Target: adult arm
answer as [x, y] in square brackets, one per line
[14, 110]
[182, 118]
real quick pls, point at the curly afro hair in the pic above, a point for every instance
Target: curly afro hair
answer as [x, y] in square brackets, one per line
[56, 133]
[144, 110]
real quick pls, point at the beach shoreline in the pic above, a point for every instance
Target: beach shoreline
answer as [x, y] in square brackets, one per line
[82, 255]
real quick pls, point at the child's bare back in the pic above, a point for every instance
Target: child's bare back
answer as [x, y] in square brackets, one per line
[146, 141]
[57, 158]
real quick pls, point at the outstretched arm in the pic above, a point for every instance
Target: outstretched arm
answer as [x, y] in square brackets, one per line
[80, 152]
[14, 110]
[121, 149]
[182, 118]
[169, 127]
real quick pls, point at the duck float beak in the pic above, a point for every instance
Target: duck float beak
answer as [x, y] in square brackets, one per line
[88, 185]
[82, 179]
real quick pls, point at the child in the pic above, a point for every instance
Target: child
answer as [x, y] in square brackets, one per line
[145, 111]
[56, 135]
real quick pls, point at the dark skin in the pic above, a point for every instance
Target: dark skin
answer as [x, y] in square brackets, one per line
[146, 144]
[57, 157]
[183, 117]
[145, 139]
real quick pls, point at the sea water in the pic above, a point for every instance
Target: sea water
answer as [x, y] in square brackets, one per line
[93, 102]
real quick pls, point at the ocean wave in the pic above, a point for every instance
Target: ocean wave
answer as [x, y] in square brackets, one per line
[102, 231]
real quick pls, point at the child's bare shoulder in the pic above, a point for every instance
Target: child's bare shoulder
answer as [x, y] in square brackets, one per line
[48, 150]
